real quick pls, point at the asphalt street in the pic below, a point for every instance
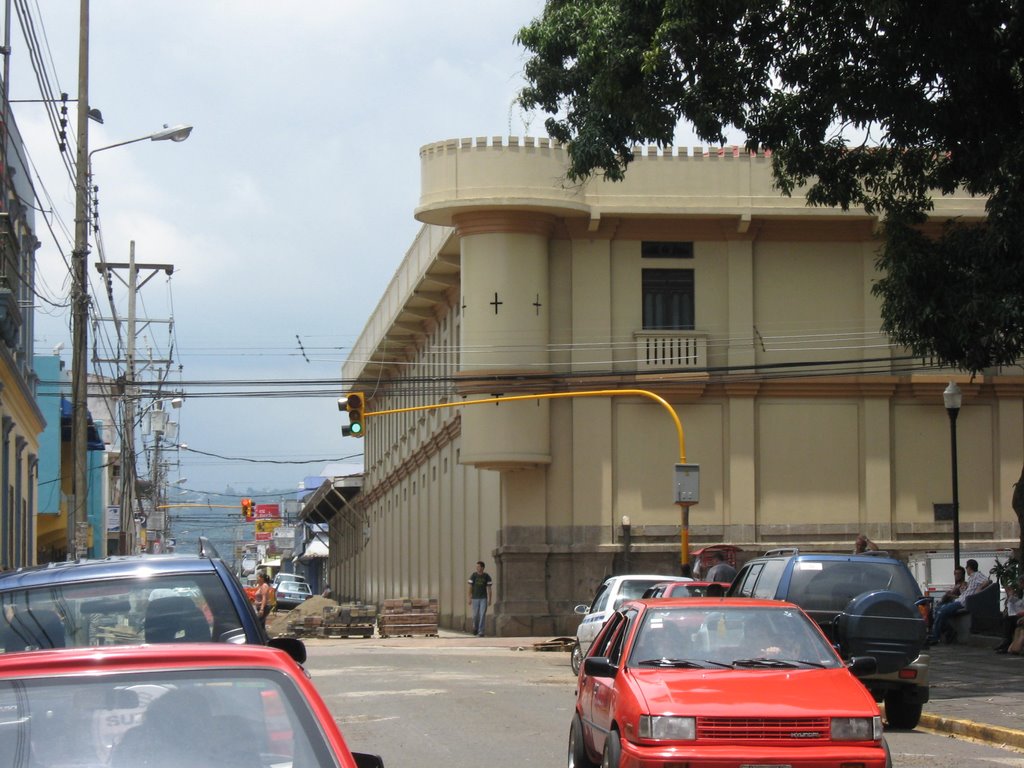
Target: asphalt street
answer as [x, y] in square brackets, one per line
[975, 692]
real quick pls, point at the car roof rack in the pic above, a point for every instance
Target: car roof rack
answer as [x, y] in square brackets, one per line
[782, 551]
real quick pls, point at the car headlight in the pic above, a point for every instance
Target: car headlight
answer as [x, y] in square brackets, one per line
[667, 728]
[856, 728]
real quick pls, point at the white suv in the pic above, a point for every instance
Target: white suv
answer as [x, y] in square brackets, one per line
[610, 595]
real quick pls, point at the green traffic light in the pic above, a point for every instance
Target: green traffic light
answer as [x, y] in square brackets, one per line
[356, 428]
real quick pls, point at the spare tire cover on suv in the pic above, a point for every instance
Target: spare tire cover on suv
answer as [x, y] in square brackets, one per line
[882, 624]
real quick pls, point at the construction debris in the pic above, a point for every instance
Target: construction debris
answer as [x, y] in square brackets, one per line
[408, 617]
[345, 620]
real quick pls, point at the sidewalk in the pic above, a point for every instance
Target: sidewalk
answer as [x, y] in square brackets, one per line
[976, 692]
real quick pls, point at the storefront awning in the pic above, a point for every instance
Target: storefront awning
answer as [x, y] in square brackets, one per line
[314, 549]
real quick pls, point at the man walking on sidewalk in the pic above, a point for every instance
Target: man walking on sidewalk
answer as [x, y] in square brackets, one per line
[479, 596]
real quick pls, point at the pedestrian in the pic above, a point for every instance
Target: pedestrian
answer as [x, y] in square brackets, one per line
[262, 601]
[720, 570]
[686, 571]
[480, 583]
[1013, 616]
[863, 544]
[944, 613]
[327, 591]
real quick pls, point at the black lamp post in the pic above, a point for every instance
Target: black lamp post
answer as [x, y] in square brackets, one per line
[953, 399]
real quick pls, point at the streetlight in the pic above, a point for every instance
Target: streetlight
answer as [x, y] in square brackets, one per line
[953, 398]
[78, 507]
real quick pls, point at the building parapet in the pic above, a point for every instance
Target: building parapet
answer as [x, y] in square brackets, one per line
[526, 173]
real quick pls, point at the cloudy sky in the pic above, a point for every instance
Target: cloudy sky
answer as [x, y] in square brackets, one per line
[287, 210]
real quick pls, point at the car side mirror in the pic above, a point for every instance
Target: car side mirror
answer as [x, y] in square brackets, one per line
[860, 666]
[290, 645]
[581, 609]
[599, 666]
[364, 760]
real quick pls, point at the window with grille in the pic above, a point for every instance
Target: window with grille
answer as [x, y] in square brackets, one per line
[668, 299]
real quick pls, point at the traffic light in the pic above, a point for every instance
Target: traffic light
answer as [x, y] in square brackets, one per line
[354, 404]
[247, 509]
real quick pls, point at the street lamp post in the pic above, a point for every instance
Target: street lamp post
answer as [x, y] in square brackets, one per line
[78, 506]
[953, 398]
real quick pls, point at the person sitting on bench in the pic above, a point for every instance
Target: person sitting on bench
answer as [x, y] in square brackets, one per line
[944, 613]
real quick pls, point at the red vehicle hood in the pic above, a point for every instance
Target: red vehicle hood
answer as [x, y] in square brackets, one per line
[756, 692]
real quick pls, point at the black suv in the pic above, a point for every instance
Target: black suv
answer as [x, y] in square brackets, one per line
[866, 605]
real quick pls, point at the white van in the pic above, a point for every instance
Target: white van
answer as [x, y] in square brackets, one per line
[610, 595]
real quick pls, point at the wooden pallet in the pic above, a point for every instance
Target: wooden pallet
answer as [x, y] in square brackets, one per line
[409, 630]
[408, 617]
[351, 630]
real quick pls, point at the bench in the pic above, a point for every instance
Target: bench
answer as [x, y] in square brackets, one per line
[982, 616]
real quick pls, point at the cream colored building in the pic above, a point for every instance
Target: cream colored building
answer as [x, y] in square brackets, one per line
[750, 313]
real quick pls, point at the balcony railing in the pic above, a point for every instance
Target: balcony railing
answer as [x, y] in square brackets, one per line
[671, 350]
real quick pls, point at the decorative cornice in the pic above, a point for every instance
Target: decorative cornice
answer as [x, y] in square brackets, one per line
[444, 436]
[503, 222]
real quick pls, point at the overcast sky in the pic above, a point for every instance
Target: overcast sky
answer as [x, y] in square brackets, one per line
[289, 208]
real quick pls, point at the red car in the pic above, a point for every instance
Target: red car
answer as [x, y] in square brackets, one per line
[688, 589]
[203, 705]
[721, 682]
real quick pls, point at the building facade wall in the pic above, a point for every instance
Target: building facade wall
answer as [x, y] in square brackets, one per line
[808, 426]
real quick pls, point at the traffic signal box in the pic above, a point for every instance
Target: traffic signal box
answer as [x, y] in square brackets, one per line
[354, 404]
[248, 511]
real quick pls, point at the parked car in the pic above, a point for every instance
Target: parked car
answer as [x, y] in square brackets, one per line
[281, 576]
[291, 594]
[686, 589]
[702, 681]
[129, 600]
[614, 591]
[867, 604]
[203, 705]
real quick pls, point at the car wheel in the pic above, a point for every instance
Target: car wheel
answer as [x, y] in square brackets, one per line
[576, 658]
[578, 757]
[612, 750]
[901, 712]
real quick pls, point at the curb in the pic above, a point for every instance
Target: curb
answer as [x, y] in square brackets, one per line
[993, 734]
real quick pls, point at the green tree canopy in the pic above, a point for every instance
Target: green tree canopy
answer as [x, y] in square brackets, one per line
[874, 103]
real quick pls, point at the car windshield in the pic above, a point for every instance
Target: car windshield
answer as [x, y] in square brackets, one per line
[203, 718]
[158, 609]
[631, 589]
[723, 635]
[828, 585]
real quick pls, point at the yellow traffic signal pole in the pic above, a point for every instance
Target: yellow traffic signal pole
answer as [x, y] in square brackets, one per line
[685, 501]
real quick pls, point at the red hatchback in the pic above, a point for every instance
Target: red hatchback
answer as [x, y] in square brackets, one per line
[721, 682]
[201, 705]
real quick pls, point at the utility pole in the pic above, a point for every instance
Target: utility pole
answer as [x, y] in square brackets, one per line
[131, 389]
[78, 506]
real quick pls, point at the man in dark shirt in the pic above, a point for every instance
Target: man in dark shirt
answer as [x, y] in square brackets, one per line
[479, 596]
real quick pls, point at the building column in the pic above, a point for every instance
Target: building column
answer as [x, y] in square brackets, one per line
[505, 330]
[20, 513]
[33, 483]
[7, 425]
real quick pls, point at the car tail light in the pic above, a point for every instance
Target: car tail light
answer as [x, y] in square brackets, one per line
[907, 673]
